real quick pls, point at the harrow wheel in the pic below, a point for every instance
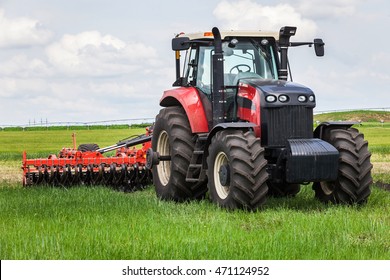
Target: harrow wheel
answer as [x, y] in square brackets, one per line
[172, 136]
[88, 147]
[237, 176]
[121, 177]
[354, 177]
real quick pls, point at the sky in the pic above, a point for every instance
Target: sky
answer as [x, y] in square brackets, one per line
[96, 60]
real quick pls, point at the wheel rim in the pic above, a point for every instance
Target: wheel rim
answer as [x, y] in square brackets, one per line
[164, 167]
[220, 160]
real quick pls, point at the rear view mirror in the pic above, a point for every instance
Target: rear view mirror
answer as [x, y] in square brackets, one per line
[180, 43]
[319, 47]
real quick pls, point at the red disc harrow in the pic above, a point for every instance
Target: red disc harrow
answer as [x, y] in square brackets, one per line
[87, 165]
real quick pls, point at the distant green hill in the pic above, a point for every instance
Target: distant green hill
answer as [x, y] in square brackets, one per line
[363, 116]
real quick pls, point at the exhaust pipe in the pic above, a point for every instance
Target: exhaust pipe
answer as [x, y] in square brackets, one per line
[284, 42]
[218, 96]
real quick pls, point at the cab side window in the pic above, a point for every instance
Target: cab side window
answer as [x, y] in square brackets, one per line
[204, 80]
[192, 68]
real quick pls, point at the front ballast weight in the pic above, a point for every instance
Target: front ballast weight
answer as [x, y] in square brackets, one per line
[86, 165]
[311, 160]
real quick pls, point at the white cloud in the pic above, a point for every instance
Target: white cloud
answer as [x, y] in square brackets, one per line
[93, 54]
[63, 81]
[76, 100]
[87, 76]
[248, 14]
[21, 32]
[21, 66]
[96, 100]
[20, 89]
[320, 9]
[381, 58]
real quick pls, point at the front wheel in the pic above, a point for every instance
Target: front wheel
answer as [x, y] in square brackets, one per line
[352, 185]
[237, 176]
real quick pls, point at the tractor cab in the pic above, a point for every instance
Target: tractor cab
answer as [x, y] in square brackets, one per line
[243, 58]
[215, 64]
[246, 55]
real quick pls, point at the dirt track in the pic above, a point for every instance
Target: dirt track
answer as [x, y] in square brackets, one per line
[10, 174]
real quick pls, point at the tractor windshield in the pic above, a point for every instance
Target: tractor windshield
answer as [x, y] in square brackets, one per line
[248, 59]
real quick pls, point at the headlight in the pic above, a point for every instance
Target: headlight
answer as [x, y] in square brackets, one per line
[302, 98]
[270, 98]
[283, 98]
[312, 98]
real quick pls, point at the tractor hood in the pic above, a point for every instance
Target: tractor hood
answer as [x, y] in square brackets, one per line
[276, 93]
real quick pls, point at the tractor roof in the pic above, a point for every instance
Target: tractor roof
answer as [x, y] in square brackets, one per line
[232, 33]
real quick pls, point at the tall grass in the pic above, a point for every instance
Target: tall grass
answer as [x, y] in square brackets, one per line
[98, 223]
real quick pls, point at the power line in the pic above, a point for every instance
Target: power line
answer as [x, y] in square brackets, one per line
[148, 119]
[80, 123]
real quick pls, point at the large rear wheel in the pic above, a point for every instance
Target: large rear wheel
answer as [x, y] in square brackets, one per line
[172, 136]
[354, 177]
[237, 173]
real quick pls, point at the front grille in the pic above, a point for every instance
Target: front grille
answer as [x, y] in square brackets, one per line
[282, 123]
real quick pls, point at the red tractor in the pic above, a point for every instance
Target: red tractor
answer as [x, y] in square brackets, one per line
[236, 128]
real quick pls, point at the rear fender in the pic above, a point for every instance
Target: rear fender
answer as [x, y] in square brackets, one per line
[189, 98]
[322, 128]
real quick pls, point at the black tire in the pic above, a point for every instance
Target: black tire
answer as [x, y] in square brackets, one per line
[88, 147]
[354, 177]
[172, 136]
[240, 156]
[283, 190]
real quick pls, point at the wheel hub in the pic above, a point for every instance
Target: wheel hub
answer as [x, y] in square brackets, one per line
[224, 175]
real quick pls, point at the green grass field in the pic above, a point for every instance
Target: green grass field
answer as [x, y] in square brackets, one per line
[100, 223]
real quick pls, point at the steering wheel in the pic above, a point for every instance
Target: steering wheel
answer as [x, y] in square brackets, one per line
[238, 68]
